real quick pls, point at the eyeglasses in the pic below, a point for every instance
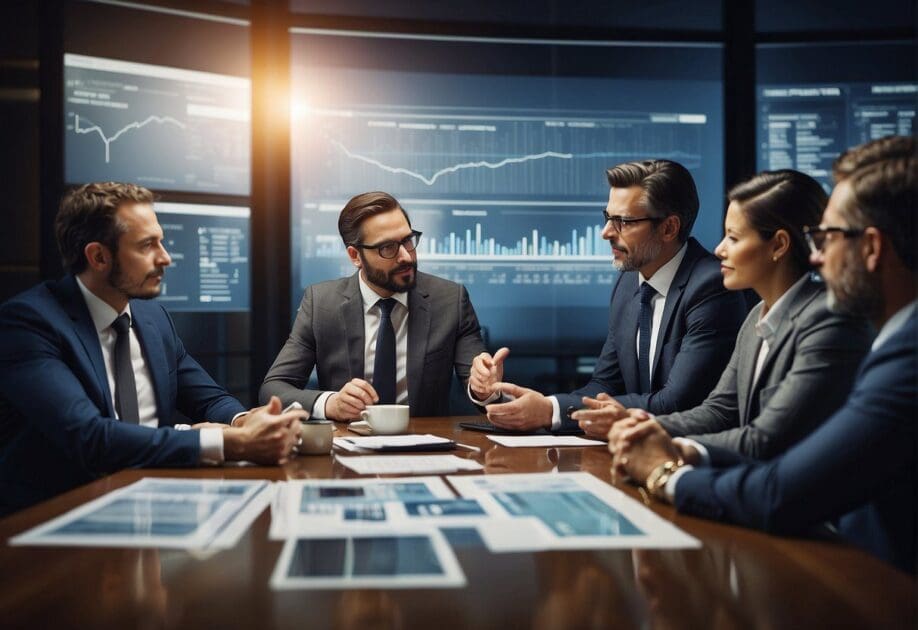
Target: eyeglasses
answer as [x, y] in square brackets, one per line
[816, 236]
[389, 249]
[619, 222]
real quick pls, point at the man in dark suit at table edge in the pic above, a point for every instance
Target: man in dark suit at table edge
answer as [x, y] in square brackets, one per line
[670, 287]
[387, 334]
[92, 371]
[859, 467]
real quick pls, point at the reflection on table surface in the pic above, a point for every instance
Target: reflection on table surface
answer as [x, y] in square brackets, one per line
[738, 579]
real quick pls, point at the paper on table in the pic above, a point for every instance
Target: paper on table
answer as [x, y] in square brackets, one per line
[376, 442]
[411, 558]
[411, 464]
[515, 441]
[152, 512]
[304, 506]
[574, 510]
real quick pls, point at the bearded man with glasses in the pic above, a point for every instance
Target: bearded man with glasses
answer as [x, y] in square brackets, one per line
[386, 334]
[672, 324]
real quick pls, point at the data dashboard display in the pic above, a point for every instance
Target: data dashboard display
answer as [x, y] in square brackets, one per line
[806, 127]
[502, 171]
[162, 127]
[210, 249]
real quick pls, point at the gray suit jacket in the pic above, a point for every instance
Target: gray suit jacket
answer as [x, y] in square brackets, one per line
[807, 375]
[328, 334]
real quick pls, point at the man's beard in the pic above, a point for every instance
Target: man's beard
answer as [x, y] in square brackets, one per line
[118, 282]
[387, 279]
[854, 292]
[639, 256]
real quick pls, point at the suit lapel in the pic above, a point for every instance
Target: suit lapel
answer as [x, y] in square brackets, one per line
[749, 348]
[673, 297]
[785, 327]
[75, 306]
[354, 332]
[418, 331]
[154, 353]
[627, 359]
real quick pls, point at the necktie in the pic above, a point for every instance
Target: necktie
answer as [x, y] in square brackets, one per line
[125, 387]
[384, 364]
[645, 326]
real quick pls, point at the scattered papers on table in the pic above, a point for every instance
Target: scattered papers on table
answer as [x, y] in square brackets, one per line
[517, 441]
[155, 512]
[305, 506]
[394, 443]
[408, 464]
[371, 559]
[567, 511]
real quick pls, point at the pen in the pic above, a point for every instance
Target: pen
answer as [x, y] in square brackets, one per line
[468, 447]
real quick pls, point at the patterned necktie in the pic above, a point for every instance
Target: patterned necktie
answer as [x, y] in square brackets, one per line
[125, 388]
[384, 365]
[645, 327]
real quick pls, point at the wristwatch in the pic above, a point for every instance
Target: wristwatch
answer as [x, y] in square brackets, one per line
[656, 480]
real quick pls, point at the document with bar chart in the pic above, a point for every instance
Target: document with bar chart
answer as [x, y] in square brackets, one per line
[504, 175]
[161, 127]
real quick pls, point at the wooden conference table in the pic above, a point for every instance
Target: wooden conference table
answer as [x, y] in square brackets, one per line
[740, 578]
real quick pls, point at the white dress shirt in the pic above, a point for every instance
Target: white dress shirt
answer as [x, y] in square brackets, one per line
[370, 333]
[103, 316]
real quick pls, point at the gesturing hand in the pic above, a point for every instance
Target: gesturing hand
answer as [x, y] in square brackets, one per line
[530, 409]
[599, 414]
[486, 371]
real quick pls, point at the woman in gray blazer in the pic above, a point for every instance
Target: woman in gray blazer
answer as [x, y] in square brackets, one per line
[794, 361]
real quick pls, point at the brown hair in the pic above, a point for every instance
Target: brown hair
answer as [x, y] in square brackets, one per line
[883, 196]
[360, 208]
[668, 189]
[871, 152]
[87, 215]
[782, 200]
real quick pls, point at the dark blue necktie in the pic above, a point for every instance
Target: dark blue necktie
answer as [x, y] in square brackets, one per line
[645, 327]
[384, 364]
[125, 388]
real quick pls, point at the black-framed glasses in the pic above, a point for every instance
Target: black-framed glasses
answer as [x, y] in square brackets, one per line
[389, 249]
[619, 222]
[816, 236]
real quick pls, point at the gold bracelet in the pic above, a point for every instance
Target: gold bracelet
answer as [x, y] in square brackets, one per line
[656, 480]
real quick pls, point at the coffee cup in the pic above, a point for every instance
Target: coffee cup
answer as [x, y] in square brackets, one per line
[386, 419]
[316, 437]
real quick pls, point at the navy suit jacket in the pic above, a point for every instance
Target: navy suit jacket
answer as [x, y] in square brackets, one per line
[859, 467]
[57, 425]
[694, 343]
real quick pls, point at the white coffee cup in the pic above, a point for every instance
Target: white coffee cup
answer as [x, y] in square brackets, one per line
[386, 419]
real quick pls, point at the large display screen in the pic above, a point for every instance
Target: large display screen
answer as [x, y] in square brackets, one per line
[165, 128]
[498, 153]
[210, 250]
[862, 93]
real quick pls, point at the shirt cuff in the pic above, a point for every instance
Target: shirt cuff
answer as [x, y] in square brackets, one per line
[211, 446]
[555, 413]
[703, 455]
[670, 488]
[487, 401]
[318, 407]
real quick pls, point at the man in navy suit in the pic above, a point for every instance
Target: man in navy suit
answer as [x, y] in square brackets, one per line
[92, 372]
[859, 468]
[672, 323]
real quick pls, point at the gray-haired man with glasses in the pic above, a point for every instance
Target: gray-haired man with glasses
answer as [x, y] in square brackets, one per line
[672, 324]
[386, 334]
